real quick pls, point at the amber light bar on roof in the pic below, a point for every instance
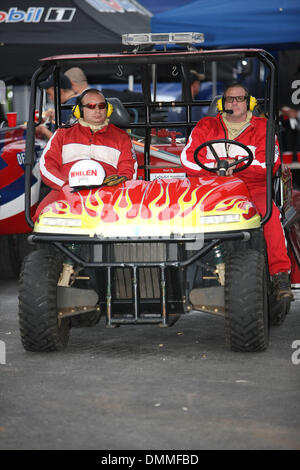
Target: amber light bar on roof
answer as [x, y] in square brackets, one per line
[162, 38]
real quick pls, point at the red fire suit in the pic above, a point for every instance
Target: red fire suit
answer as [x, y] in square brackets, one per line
[254, 136]
[110, 146]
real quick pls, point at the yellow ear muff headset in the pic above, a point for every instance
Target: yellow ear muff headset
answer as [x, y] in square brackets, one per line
[251, 101]
[77, 109]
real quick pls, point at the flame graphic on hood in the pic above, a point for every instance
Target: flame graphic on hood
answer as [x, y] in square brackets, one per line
[157, 208]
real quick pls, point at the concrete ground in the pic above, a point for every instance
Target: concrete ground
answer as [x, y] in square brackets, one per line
[145, 387]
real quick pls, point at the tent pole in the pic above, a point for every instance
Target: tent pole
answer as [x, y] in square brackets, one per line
[131, 82]
[214, 78]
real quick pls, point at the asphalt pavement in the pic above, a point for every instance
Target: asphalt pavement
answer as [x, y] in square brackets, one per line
[146, 387]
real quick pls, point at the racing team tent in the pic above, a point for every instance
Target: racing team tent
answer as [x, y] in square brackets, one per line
[232, 23]
[268, 24]
[28, 33]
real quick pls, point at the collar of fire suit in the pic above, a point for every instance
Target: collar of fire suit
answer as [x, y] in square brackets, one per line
[236, 128]
[94, 128]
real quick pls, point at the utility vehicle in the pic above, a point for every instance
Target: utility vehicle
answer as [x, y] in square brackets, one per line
[149, 250]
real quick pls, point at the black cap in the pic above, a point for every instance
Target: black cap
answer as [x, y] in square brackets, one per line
[63, 79]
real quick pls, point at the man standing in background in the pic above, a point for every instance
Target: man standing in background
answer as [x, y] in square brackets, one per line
[78, 80]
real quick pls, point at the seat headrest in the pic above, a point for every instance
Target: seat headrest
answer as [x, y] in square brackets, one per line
[120, 116]
[212, 110]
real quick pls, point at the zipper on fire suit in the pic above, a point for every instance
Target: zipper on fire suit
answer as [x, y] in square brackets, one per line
[226, 136]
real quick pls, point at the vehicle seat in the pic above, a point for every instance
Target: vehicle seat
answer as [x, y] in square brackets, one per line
[212, 110]
[120, 116]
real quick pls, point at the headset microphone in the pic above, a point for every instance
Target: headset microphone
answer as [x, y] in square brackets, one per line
[228, 111]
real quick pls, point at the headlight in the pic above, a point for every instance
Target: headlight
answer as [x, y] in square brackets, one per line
[61, 222]
[220, 219]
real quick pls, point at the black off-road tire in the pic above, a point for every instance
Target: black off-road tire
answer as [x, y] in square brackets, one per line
[40, 328]
[246, 302]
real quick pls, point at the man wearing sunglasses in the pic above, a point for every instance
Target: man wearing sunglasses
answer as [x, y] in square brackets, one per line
[235, 121]
[91, 137]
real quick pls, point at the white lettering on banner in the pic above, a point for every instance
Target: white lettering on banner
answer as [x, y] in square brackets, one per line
[296, 93]
[60, 15]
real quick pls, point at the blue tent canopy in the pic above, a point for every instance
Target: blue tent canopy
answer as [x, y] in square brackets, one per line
[158, 6]
[233, 23]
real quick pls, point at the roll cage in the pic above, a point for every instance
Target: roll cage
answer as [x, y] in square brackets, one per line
[148, 63]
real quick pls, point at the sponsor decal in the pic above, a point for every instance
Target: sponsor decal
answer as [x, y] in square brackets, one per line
[84, 173]
[114, 6]
[35, 14]
[61, 14]
[14, 15]
[21, 158]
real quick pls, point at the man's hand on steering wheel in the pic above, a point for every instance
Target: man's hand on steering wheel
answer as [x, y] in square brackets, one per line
[228, 166]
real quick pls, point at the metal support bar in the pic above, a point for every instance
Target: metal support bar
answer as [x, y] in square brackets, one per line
[57, 101]
[141, 264]
[37, 237]
[164, 313]
[136, 293]
[108, 297]
[30, 145]
[87, 264]
[142, 320]
[137, 317]
[147, 99]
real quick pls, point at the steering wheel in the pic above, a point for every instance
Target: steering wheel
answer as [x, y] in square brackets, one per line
[223, 165]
